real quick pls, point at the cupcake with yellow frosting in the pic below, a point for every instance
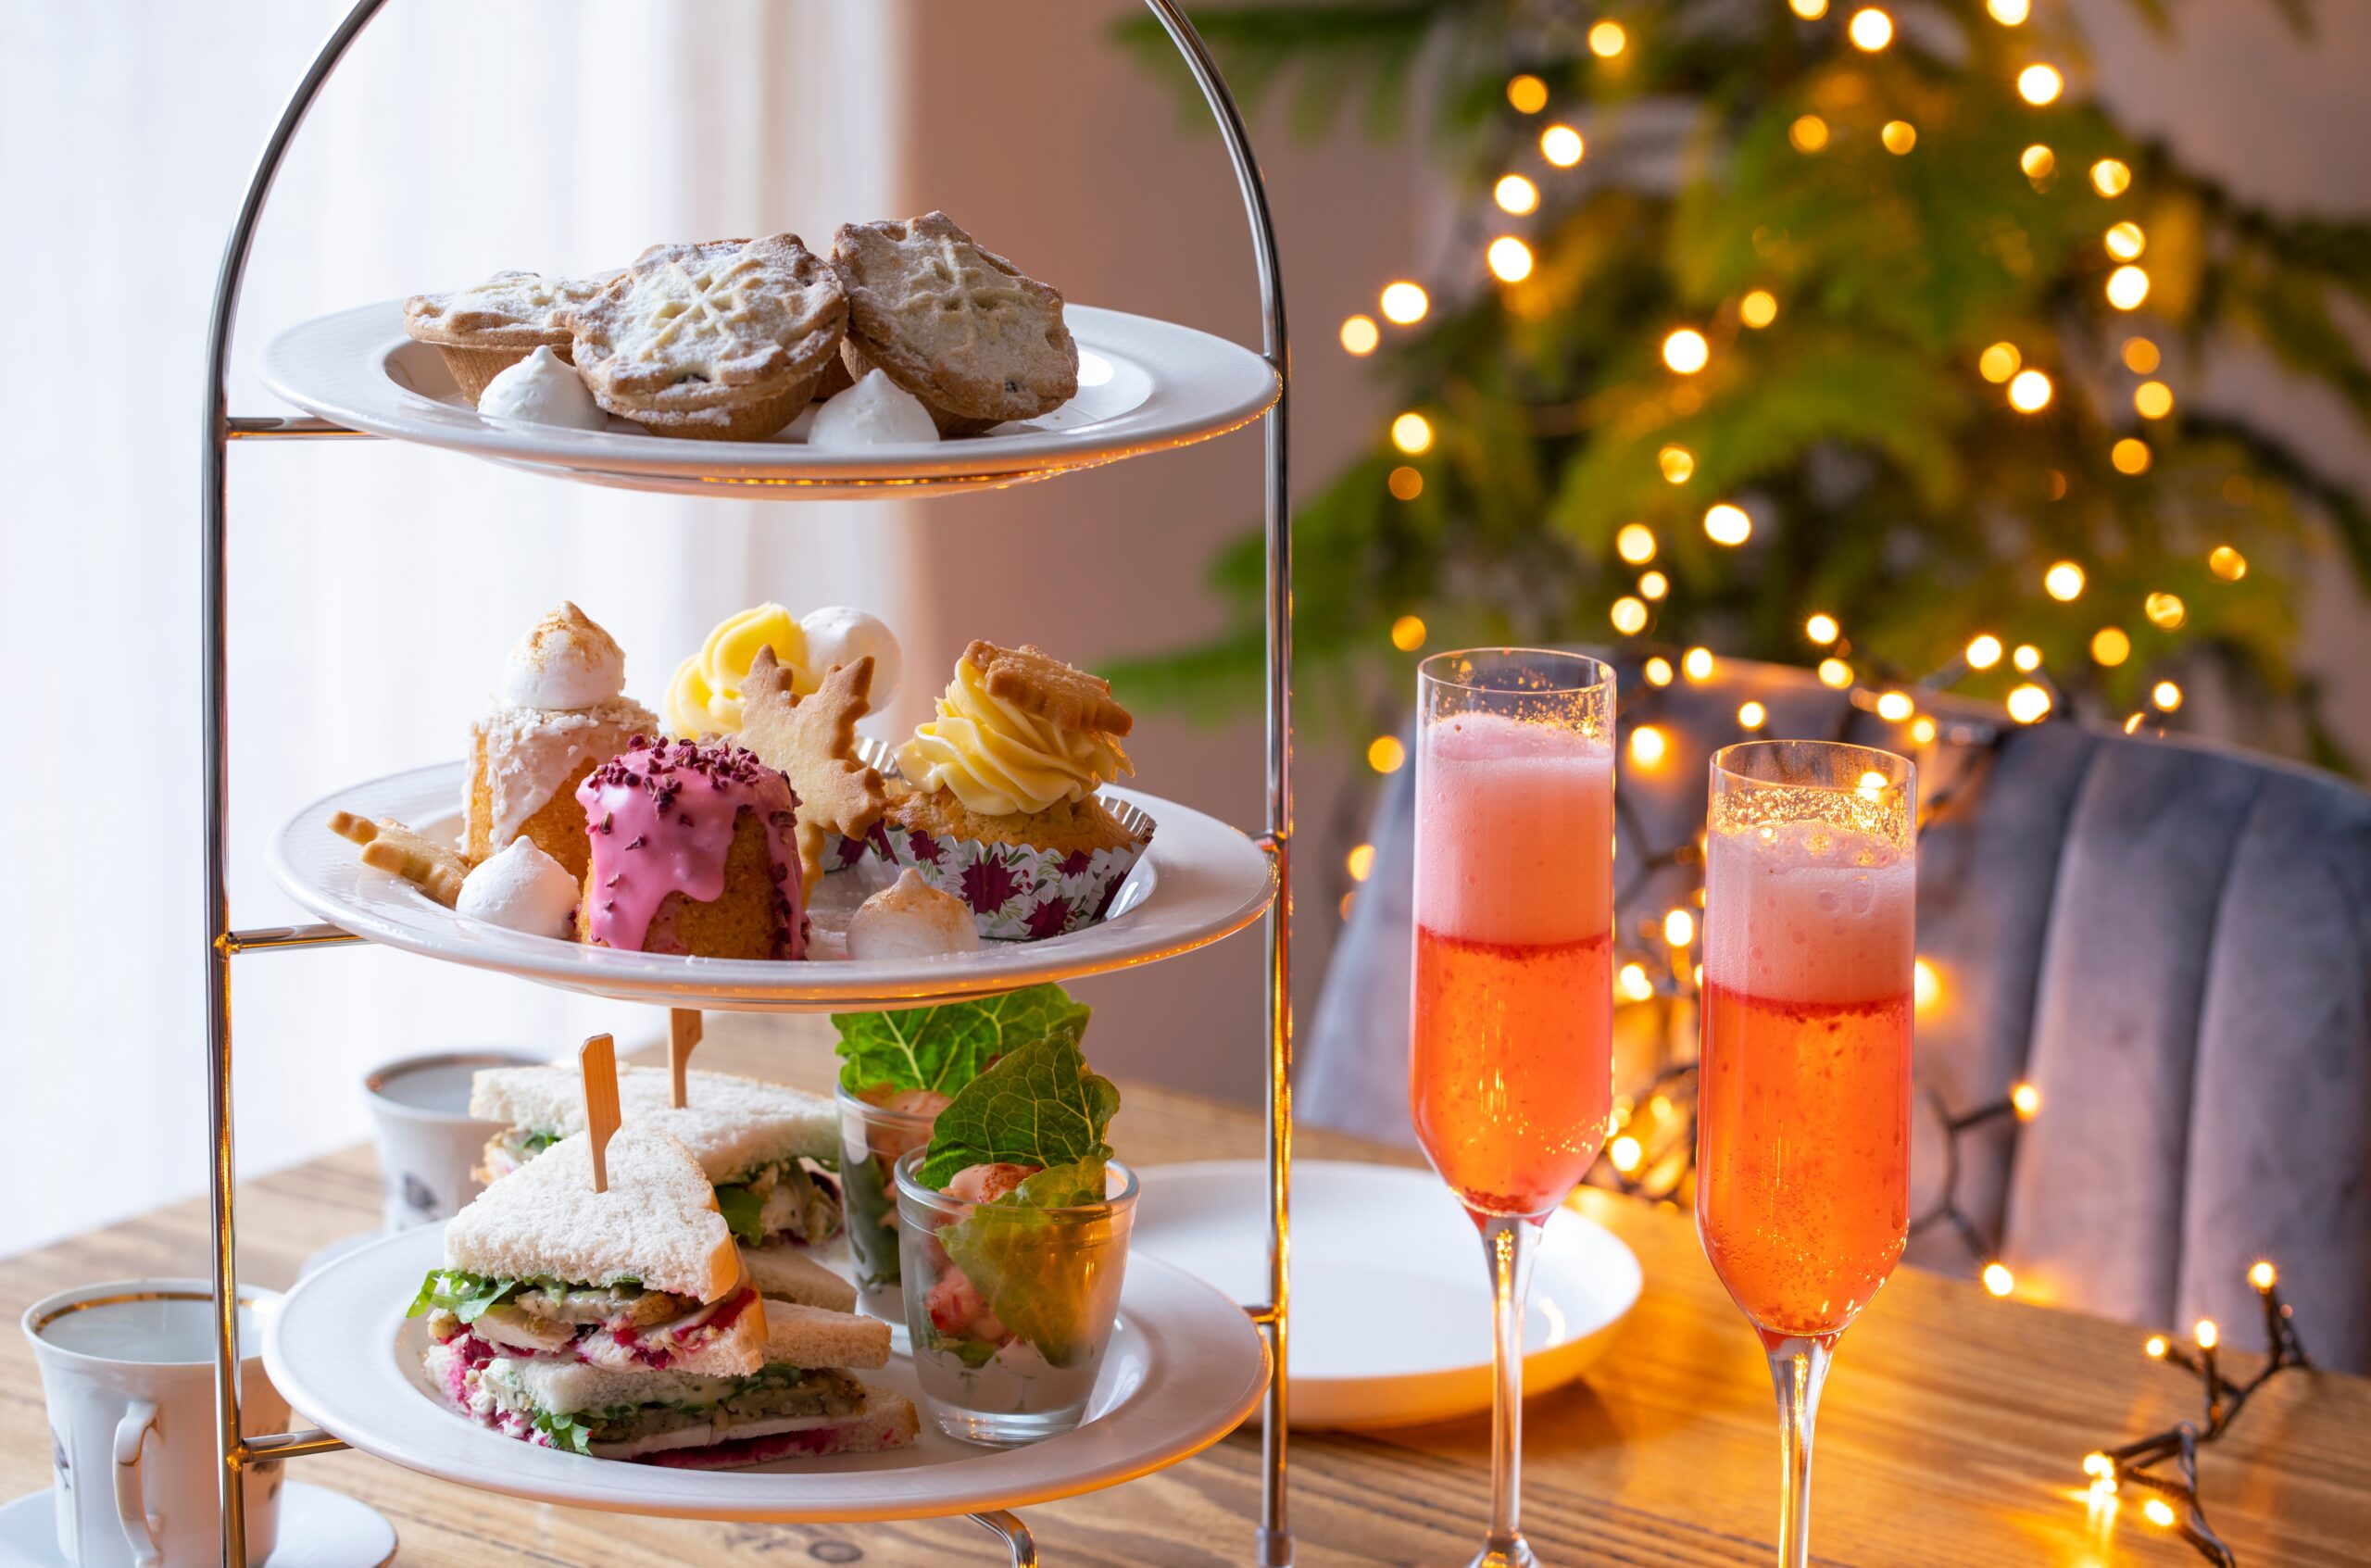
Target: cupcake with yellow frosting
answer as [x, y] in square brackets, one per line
[997, 799]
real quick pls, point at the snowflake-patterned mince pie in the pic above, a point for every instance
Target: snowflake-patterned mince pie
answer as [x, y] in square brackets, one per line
[996, 799]
[721, 341]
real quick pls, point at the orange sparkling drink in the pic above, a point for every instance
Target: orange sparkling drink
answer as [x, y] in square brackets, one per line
[1802, 1194]
[1511, 1074]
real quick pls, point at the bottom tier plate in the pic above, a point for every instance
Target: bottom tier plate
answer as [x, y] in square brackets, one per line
[1184, 1368]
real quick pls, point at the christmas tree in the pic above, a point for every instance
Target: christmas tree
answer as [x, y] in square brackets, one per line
[1855, 336]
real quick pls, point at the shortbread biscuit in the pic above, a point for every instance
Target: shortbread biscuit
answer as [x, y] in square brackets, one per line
[811, 741]
[724, 340]
[388, 846]
[954, 323]
[1041, 685]
[482, 332]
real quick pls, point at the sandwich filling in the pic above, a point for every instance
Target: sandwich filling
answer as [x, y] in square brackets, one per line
[782, 1201]
[617, 1323]
[552, 1407]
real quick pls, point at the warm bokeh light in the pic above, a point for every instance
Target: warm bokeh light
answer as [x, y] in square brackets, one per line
[2063, 582]
[1899, 136]
[2029, 392]
[1686, 351]
[2110, 177]
[2008, 13]
[2029, 704]
[2111, 646]
[2126, 241]
[2166, 695]
[1810, 10]
[1998, 362]
[1870, 29]
[1411, 432]
[1823, 629]
[1359, 863]
[1999, 1280]
[1629, 616]
[1385, 754]
[1659, 672]
[1634, 984]
[1408, 633]
[2226, 563]
[1360, 334]
[1626, 1153]
[2166, 610]
[2129, 456]
[1922, 730]
[2025, 1099]
[1835, 672]
[2263, 1277]
[2153, 400]
[1894, 706]
[2038, 161]
[1404, 303]
[2027, 658]
[1983, 651]
[1648, 745]
[2128, 286]
[2040, 84]
[1510, 259]
[1516, 194]
[1758, 309]
[1751, 715]
[1607, 40]
[1677, 463]
[2206, 1333]
[2140, 356]
[1635, 542]
[1405, 483]
[1725, 524]
[1679, 928]
[1808, 133]
[2160, 1513]
[1925, 985]
[1697, 664]
[1562, 145]
[1527, 94]
[2156, 1347]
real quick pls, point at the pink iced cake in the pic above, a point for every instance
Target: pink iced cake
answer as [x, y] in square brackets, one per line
[692, 852]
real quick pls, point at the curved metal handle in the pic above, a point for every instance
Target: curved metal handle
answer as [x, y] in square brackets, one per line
[142, 1531]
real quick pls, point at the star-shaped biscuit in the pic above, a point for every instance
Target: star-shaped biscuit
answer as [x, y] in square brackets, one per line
[390, 847]
[1040, 684]
[811, 741]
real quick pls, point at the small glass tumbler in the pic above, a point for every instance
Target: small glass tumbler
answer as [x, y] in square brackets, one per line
[1010, 1308]
[871, 1139]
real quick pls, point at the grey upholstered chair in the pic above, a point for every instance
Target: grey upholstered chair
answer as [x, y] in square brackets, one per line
[2172, 943]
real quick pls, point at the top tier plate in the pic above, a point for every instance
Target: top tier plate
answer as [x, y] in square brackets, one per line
[1144, 386]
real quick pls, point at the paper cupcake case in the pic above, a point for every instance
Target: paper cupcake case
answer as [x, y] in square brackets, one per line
[1018, 892]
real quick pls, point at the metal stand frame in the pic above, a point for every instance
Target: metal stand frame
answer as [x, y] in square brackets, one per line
[222, 942]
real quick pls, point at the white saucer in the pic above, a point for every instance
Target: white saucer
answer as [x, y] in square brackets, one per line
[318, 1528]
[1390, 1299]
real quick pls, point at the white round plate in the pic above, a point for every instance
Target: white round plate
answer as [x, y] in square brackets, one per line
[1185, 1366]
[1390, 1297]
[1143, 385]
[318, 1528]
[1200, 880]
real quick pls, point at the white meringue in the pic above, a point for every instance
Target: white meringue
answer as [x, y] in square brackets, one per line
[546, 389]
[564, 661]
[521, 888]
[839, 634]
[910, 919]
[876, 411]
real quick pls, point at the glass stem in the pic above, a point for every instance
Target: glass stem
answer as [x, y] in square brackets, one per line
[1507, 1243]
[1797, 1368]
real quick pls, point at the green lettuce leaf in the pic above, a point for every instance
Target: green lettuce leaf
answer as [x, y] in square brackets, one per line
[945, 1047]
[565, 1431]
[741, 1209]
[1042, 1275]
[465, 1295]
[1039, 1105]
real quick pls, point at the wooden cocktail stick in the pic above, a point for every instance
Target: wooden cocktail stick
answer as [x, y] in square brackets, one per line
[598, 1060]
[683, 1033]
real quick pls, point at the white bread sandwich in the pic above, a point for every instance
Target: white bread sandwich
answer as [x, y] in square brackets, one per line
[643, 1277]
[764, 1146]
[800, 1403]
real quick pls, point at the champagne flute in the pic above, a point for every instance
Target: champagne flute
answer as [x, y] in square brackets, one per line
[1803, 1182]
[1511, 1066]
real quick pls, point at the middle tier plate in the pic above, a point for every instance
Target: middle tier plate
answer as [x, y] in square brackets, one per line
[1200, 880]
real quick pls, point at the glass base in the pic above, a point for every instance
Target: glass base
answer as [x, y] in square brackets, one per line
[1511, 1551]
[889, 1306]
[1004, 1429]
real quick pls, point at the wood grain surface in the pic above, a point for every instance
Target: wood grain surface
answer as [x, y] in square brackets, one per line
[1953, 1428]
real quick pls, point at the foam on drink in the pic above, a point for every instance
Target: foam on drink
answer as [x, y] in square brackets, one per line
[1514, 831]
[1803, 911]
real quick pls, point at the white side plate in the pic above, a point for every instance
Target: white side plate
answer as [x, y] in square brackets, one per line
[1143, 385]
[1185, 1367]
[1201, 880]
[1390, 1299]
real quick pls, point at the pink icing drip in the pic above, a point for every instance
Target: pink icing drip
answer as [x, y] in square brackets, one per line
[661, 817]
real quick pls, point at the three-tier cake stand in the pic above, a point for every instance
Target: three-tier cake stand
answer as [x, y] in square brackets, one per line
[779, 474]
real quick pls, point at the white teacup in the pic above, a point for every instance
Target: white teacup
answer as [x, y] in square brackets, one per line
[428, 1149]
[128, 1371]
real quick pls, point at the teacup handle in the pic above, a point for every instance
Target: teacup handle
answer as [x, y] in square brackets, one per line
[142, 1529]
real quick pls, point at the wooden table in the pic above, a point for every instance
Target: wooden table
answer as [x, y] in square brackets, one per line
[1953, 1428]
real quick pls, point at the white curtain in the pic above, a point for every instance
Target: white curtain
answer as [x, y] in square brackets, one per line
[375, 587]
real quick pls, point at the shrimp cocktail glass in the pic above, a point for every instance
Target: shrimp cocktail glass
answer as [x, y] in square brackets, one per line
[1510, 1067]
[1802, 1184]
